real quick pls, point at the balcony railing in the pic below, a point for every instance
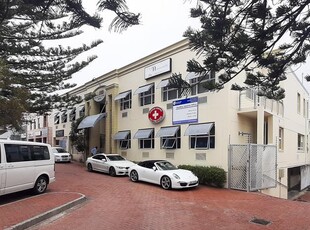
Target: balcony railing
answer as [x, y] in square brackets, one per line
[249, 100]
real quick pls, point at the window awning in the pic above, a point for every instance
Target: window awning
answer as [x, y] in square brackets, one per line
[81, 107]
[73, 110]
[143, 89]
[191, 75]
[199, 129]
[167, 131]
[90, 121]
[143, 133]
[122, 135]
[121, 96]
[163, 83]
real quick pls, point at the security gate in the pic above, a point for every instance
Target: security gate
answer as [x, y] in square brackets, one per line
[252, 167]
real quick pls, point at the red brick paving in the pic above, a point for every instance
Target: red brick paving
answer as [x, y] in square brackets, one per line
[21, 210]
[117, 203]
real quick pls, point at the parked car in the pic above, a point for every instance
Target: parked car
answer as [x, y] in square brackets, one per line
[113, 164]
[163, 173]
[25, 165]
[61, 155]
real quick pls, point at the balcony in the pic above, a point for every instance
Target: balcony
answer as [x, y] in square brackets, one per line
[249, 102]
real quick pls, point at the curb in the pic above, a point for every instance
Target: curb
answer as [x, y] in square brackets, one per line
[46, 215]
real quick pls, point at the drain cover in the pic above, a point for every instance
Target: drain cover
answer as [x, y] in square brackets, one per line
[260, 221]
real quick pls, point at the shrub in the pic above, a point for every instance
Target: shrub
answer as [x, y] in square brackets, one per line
[208, 175]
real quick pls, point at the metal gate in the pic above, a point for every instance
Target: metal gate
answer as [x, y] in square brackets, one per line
[252, 167]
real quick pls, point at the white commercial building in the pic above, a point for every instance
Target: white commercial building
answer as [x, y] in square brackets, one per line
[261, 143]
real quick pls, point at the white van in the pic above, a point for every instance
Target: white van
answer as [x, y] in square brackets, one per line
[25, 165]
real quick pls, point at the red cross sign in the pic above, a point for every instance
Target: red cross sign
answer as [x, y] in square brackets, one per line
[156, 115]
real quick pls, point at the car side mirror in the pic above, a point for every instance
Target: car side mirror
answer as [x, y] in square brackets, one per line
[154, 168]
[104, 160]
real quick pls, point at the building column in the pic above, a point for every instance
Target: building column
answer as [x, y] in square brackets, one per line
[260, 125]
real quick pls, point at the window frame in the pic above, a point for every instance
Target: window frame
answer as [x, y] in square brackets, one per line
[126, 102]
[197, 87]
[281, 139]
[210, 140]
[176, 140]
[150, 139]
[125, 143]
[300, 142]
[167, 93]
[150, 94]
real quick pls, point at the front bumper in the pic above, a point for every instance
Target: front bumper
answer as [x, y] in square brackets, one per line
[185, 184]
[62, 159]
[121, 171]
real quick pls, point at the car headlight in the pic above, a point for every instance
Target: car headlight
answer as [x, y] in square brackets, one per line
[120, 167]
[176, 176]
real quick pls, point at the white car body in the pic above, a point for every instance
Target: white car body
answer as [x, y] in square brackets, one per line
[114, 164]
[25, 165]
[163, 173]
[61, 155]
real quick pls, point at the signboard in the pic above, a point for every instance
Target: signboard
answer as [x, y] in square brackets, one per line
[157, 69]
[156, 115]
[185, 111]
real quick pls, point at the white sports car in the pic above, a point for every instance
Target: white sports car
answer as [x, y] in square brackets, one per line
[113, 164]
[163, 173]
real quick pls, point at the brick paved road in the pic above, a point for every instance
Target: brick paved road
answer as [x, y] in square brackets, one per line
[117, 203]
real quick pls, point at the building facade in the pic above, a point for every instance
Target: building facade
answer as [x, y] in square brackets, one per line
[133, 111]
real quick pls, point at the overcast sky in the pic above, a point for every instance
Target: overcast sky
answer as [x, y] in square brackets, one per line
[163, 23]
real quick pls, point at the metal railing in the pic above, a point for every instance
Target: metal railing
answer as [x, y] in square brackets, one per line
[249, 100]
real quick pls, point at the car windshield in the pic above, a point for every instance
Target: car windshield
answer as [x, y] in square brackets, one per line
[59, 150]
[116, 158]
[165, 165]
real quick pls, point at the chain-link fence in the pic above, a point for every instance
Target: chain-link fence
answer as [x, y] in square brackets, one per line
[252, 167]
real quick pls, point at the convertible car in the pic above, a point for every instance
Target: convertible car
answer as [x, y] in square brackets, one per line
[163, 173]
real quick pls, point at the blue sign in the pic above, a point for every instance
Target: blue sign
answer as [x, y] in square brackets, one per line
[185, 111]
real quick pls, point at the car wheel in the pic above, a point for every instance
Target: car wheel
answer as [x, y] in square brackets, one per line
[41, 185]
[112, 171]
[165, 182]
[89, 167]
[134, 176]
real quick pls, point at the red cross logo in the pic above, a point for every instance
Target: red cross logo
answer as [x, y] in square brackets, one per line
[156, 115]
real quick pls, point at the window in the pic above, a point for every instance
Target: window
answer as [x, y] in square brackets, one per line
[170, 137]
[126, 143]
[304, 107]
[18, 153]
[200, 82]
[56, 119]
[124, 138]
[298, 103]
[125, 100]
[145, 138]
[202, 136]
[146, 94]
[82, 111]
[169, 93]
[281, 138]
[300, 142]
[72, 114]
[64, 117]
